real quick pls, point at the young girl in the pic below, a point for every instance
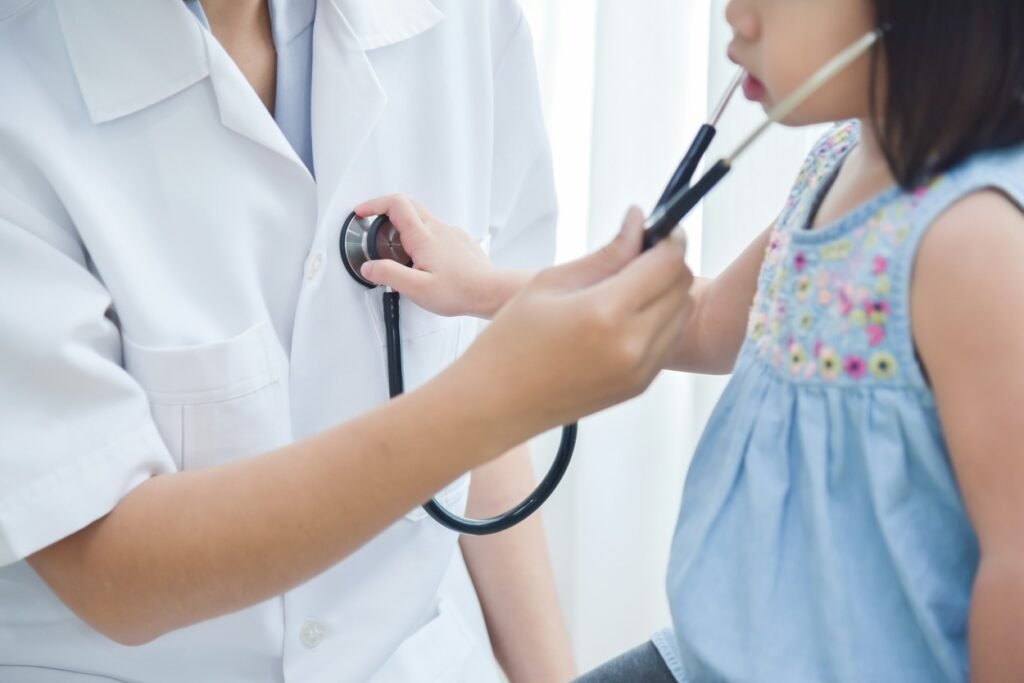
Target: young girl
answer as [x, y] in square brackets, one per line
[853, 511]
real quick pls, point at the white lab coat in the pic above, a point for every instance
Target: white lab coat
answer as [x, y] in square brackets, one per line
[171, 297]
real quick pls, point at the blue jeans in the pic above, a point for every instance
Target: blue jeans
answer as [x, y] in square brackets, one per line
[642, 663]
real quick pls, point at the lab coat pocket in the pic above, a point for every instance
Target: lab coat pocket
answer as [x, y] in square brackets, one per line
[215, 402]
[429, 344]
[436, 653]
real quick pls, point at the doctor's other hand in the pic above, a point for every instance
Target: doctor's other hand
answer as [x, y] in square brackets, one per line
[587, 335]
[451, 274]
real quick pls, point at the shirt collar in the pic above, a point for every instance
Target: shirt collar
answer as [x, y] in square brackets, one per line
[290, 18]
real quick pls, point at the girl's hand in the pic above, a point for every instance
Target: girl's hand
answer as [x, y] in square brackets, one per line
[451, 274]
[584, 336]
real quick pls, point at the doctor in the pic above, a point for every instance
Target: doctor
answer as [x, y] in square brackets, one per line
[200, 476]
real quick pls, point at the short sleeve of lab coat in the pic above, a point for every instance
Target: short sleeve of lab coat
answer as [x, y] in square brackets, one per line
[524, 209]
[76, 434]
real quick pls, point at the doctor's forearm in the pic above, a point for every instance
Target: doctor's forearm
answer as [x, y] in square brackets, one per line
[505, 284]
[183, 548]
[187, 547]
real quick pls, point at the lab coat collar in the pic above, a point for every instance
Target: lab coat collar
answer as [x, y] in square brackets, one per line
[131, 54]
[348, 98]
[379, 23]
[288, 18]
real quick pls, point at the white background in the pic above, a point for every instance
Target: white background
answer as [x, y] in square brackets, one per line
[626, 84]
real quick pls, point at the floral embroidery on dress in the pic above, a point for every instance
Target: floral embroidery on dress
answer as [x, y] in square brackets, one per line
[823, 305]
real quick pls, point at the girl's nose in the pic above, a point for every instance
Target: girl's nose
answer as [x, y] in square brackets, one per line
[744, 20]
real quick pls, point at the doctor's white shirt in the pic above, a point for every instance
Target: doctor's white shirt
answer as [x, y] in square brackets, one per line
[171, 298]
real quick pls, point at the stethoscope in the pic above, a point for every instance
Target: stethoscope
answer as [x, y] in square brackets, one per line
[373, 238]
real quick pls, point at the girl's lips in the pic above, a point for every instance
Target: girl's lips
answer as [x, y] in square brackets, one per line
[753, 89]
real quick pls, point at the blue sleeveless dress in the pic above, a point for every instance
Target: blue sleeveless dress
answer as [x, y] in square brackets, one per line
[822, 537]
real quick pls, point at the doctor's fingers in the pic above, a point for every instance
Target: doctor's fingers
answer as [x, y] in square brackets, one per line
[403, 279]
[603, 263]
[637, 347]
[649, 278]
[405, 214]
[381, 205]
[664, 324]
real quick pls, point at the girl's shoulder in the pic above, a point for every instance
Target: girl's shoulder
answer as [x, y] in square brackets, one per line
[1000, 172]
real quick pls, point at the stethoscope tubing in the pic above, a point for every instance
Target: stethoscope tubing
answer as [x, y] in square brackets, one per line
[698, 148]
[443, 516]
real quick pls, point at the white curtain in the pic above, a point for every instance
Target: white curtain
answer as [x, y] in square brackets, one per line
[625, 85]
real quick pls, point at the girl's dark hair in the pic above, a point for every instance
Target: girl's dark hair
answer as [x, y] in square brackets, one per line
[951, 84]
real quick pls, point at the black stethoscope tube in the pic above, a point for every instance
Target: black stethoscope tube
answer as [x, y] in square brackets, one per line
[677, 200]
[663, 221]
[372, 238]
[392, 331]
[443, 516]
[688, 166]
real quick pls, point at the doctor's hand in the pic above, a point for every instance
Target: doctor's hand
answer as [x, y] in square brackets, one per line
[585, 336]
[451, 274]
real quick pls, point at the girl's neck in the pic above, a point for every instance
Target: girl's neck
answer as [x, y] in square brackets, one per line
[870, 147]
[866, 164]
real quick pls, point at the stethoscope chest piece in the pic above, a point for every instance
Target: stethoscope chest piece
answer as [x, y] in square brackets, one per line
[369, 238]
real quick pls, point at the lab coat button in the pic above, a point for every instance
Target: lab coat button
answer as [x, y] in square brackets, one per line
[312, 633]
[315, 266]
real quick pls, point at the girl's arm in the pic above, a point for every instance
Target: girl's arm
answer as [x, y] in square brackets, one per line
[578, 339]
[968, 321]
[512, 574]
[718, 321]
[449, 264]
